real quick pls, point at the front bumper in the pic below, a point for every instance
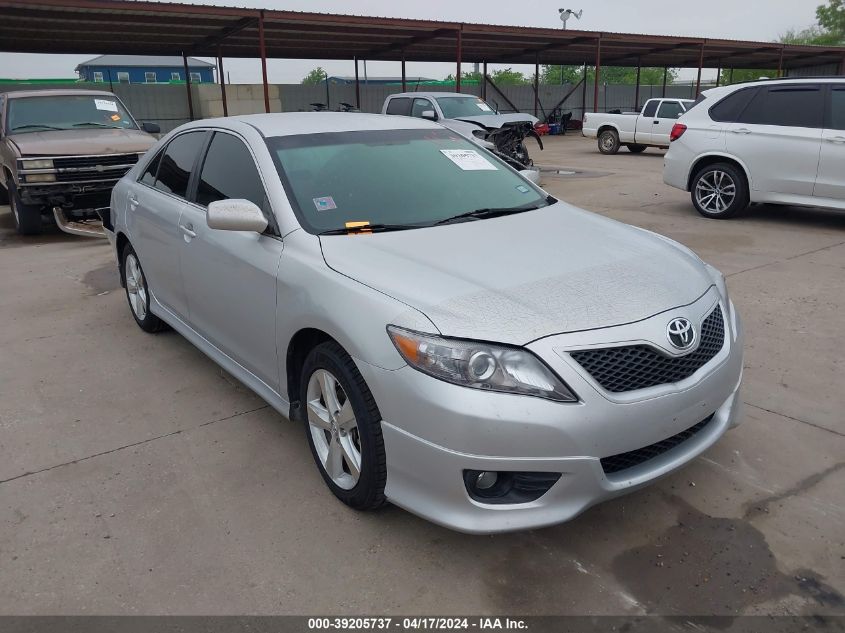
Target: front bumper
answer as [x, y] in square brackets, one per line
[434, 431]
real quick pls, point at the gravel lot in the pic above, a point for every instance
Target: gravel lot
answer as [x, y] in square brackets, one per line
[138, 477]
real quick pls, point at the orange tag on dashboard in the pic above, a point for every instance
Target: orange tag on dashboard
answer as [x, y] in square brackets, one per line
[358, 227]
[115, 117]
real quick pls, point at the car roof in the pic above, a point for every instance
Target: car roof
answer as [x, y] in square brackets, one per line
[18, 94]
[292, 123]
[724, 90]
[436, 95]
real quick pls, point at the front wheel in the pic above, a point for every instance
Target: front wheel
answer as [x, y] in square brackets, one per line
[609, 142]
[27, 216]
[719, 191]
[343, 426]
[138, 293]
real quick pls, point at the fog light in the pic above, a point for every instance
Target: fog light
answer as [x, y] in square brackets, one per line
[486, 480]
[40, 177]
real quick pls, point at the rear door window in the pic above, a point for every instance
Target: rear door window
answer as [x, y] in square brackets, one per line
[797, 105]
[174, 172]
[731, 107]
[400, 106]
[650, 108]
[837, 108]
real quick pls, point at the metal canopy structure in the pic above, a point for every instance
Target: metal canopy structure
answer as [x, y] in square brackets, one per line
[153, 28]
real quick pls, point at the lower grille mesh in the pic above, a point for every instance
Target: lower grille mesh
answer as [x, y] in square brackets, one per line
[623, 461]
[631, 367]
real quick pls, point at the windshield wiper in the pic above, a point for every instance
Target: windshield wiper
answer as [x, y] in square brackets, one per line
[370, 228]
[484, 214]
[97, 124]
[32, 125]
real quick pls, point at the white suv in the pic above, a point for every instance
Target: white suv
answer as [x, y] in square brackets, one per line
[776, 141]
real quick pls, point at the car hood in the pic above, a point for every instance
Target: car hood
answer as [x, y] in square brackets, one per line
[494, 121]
[518, 278]
[84, 141]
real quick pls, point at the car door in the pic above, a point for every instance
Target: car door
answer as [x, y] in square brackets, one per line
[668, 114]
[830, 182]
[646, 121]
[155, 203]
[778, 137]
[230, 276]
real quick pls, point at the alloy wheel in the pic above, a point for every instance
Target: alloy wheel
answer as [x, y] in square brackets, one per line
[334, 429]
[715, 191]
[135, 287]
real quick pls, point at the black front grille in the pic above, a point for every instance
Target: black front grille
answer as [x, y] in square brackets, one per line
[85, 176]
[632, 367]
[76, 162]
[623, 461]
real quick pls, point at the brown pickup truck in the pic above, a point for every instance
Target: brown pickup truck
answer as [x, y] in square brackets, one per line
[61, 153]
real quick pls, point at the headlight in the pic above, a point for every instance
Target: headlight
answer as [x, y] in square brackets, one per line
[480, 365]
[40, 177]
[41, 163]
[719, 280]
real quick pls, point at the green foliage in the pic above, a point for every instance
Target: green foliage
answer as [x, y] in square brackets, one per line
[502, 77]
[812, 35]
[315, 77]
[831, 19]
[552, 74]
[740, 75]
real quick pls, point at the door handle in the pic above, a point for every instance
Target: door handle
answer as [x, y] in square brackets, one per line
[188, 229]
[657, 122]
[836, 139]
[133, 201]
[742, 130]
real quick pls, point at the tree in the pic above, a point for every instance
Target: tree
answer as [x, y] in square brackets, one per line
[553, 74]
[315, 77]
[831, 19]
[501, 77]
[738, 75]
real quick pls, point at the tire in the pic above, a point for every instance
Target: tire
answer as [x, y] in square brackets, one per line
[27, 217]
[729, 188]
[636, 149]
[4, 188]
[609, 142]
[137, 292]
[341, 444]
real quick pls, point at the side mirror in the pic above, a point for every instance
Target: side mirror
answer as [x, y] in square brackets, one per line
[151, 128]
[236, 215]
[431, 115]
[531, 174]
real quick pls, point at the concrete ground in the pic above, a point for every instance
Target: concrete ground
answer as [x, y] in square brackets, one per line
[137, 477]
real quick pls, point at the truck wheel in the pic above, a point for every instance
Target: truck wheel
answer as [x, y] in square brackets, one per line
[138, 293]
[636, 149]
[4, 189]
[719, 191]
[27, 216]
[609, 142]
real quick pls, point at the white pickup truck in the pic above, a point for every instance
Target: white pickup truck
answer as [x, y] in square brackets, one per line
[636, 130]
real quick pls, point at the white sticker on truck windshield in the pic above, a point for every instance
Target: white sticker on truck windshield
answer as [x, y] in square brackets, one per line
[468, 159]
[325, 203]
[105, 104]
[484, 106]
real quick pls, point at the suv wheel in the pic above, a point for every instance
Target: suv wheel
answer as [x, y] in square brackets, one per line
[343, 426]
[27, 217]
[609, 142]
[719, 191]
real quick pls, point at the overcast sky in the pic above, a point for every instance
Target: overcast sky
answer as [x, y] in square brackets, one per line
[762, 20]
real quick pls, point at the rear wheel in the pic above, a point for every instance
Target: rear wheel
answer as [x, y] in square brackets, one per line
[27, 216]
[609, 142]
[138, 293]
[4, 188]
[636, 149]
[719, 191]
[343, 426]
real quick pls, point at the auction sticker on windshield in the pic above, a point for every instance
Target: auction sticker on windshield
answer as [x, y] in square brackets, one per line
[105, 104]
[483, 106]
[468, 159]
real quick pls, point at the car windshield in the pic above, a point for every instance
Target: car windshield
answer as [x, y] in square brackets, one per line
[67, 112]
[399, 178]
[457, 107]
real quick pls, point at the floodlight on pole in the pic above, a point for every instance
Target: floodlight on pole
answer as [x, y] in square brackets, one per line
[565, 14]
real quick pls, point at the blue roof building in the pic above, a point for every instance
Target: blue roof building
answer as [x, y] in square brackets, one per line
[140, 69]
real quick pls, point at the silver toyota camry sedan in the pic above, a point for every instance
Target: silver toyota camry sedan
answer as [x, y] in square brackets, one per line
[453, 339]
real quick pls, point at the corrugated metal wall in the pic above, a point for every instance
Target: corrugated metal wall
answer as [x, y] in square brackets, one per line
[814, 71]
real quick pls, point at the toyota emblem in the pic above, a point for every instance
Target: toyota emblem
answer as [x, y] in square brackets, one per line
[681, 333]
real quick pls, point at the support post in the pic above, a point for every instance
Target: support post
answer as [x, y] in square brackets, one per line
[637, 90]
[780, 63]
[584, 93]
[188, 87]
[404, 77]
[358, 87]
[719, 74]
[598, 75]
[665, 79]
[700, 66]
[264, 62]
[222, 78]
[536, 85]
[731, 76]
[484, 82]
[459, 52]
[842, 66]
